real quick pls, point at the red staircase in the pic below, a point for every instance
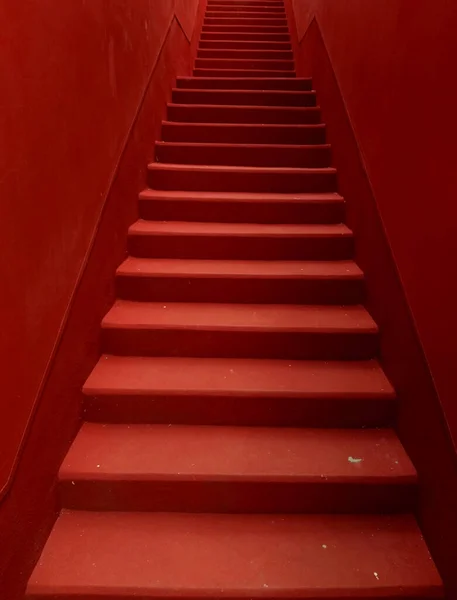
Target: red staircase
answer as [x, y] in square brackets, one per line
[238, 439]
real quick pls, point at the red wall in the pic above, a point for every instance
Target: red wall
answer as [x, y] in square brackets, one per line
[391, 139]
[84, 88]
[394, 61]
[73, 75]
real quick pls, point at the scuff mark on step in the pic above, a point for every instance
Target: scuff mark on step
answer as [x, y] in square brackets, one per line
[353, 460]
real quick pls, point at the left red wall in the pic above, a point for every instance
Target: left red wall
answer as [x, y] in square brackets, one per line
[84, 89]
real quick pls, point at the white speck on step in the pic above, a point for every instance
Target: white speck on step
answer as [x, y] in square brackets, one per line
[265, 585]
[376, 575]
[351, 459]
[98, 466]
[324, 546]
[73, 483]
[165, 307]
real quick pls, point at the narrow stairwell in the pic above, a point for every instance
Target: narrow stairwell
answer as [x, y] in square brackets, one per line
[238, 438]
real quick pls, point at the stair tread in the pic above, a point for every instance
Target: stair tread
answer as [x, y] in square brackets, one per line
[239, 169]
[239, 317]
[245, 73]
[237, 79]
[239, 377]
[183, 452]
[303, 109]
[146, 267]
[231, 91]
[144, 227]
[234, 556]
[150, 194]
[248, 126]
[252, 146]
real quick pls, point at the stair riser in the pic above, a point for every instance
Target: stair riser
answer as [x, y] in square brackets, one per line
[232, 289]
[244, 45]
[244, 98]
[239, 344]
[241, 83]
[253, 21]
[244, 7]
[243, 29]
[238, 247]
[257, 73]
[236, 496]
[237, 212]
[245, 3]
[216, 34]
[254, 64]
[240, 410]
[249, 13]
[227, 181]
[257, 156]
[245, 114]
[239, 134]
[248, 54]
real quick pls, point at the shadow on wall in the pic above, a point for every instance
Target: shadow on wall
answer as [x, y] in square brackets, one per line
[372, 65]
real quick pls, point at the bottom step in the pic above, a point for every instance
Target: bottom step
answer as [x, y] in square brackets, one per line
[134, 556]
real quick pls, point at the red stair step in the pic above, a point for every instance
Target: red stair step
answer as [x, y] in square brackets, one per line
[254, 54]
[245, 29]
[244, 97]
[214, 391]
[245, 6]
[240, 179]
[281, 115]
[220, 207]
[254, 21]
[245, 73]
[245, 2]
[247, 133]
[244, 44]
[215, 34]
[171, 280]
[236, 469]
[250, 241]
[173, 555]
[254, 64]
[241, 9]
[238, 83]
[241, 15]
[239, 330]
[252, 155]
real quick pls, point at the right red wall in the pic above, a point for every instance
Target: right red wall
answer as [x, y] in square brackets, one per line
[395, 64]
[384, 75]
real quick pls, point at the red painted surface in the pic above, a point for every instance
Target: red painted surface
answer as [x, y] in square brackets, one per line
[421, 422]
[71, 95]
[230, 468]
[181, 355]
[393, 64]
[254, 556]
[61, 148]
